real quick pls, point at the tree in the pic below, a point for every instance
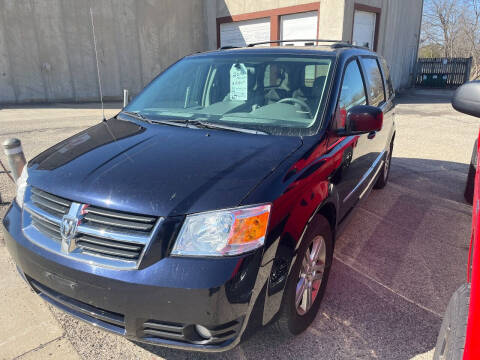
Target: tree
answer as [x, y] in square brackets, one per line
[452, 28]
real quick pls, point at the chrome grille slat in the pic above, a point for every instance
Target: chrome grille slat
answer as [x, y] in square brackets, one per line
[104, 236]
[124, 216]
[53, 198]
[113, 235]
[116, 222]
[108, 243]
[49, 205]
[41, 214]
[164, 334]
[52, 227]
[163, 326]
[48, 229]
[106, 250]
[153, 329]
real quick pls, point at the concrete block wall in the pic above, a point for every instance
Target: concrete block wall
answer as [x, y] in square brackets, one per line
[47, 52]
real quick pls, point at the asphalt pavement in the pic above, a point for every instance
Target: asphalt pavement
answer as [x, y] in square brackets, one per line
[402, 256]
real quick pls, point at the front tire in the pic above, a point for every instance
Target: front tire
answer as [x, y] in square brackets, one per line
[308, 278]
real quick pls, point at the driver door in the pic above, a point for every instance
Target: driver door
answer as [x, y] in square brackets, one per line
[357, 150]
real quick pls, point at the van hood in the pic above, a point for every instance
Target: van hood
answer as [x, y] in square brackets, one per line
[158, 169]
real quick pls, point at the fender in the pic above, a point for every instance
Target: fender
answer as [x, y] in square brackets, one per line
[306, 190]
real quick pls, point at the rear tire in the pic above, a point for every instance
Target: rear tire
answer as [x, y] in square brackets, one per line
[295, 317]
[451, 339]
[385, 172]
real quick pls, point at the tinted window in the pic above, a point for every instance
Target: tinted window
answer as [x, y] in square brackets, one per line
[352, 93]
[260, 92]
[386, 71]
[375, 80]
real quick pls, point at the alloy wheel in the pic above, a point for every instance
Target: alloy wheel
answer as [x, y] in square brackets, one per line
[311, 275]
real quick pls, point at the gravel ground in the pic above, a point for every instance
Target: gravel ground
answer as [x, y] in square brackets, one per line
[396, 266]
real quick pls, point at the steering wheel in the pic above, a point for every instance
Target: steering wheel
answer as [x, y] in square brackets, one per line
[302, 103]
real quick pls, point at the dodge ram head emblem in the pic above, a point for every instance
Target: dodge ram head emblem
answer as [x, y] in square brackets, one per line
[68, 229]
[69, 224]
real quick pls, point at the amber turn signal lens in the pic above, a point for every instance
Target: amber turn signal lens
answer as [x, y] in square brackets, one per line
[249, 228]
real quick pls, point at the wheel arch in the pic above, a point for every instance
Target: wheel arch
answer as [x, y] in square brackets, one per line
[329, 211]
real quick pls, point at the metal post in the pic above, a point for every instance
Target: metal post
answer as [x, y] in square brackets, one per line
[16, 159]
[468, 70]
[125, 97]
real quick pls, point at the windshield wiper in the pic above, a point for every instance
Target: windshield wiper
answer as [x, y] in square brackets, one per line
[210, 125]
[135, 114]
[196, 123]
[142, 117]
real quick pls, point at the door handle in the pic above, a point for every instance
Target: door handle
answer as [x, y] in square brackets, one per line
[372, 134]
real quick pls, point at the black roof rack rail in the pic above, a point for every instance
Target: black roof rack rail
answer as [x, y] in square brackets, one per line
[227, 47]
[345, 43]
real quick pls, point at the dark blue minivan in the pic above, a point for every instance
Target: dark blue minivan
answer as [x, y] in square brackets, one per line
[210, 205]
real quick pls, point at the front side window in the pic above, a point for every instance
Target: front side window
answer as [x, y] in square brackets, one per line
[278, 94]
[351, 94]
[375, 81]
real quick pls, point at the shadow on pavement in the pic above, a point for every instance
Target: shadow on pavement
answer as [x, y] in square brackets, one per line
[425, 96]
[444, 179]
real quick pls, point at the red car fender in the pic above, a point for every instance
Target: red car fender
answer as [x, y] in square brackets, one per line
[472, 342]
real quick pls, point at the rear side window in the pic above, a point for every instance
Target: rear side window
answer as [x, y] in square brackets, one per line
[351, 94]
[386, 71]
[374, 77]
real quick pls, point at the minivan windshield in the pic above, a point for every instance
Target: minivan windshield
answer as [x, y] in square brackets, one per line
[277, 94]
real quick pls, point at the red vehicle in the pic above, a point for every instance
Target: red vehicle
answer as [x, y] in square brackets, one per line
[459, 336]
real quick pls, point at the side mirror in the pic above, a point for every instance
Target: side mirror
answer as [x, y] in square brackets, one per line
[467, 98]
[363, 119]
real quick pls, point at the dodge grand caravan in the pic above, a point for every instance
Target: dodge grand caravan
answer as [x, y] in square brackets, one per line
[209, 206]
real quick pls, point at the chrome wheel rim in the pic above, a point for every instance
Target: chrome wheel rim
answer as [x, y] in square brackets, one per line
[311, 275]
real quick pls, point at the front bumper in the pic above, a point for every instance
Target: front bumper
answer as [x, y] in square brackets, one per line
[159, 304]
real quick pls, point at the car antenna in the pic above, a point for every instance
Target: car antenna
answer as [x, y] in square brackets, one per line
[98, 68]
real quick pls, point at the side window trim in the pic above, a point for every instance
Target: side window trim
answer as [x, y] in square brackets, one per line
[380, 69]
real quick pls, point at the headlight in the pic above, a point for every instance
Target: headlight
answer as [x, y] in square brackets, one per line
[223, 233]
[22, 186]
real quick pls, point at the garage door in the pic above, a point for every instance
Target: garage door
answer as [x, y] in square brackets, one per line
[364, 28]
[299, 26]
[241, 33]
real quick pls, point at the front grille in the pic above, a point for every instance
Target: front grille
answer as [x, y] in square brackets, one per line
[106, 319]
[156, 331]
[100, 232]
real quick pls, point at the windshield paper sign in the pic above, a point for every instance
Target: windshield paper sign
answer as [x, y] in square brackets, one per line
[238, 82]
